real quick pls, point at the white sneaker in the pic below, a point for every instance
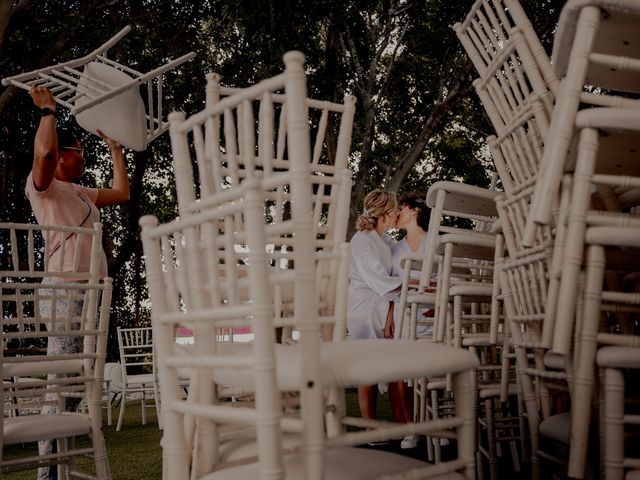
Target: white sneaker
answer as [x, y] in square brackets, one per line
[410, 441]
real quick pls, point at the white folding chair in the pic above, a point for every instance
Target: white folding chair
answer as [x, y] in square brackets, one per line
[235, 215]
[36, 311]
[138, 371]
[104, 94]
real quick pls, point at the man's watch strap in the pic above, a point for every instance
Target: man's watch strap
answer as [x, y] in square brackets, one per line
[47, 111]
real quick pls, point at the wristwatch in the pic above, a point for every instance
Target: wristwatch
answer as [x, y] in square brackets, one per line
[47, 111]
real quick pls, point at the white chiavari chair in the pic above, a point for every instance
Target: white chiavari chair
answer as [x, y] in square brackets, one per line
[104, 94]
[137, 369]
[47, 298]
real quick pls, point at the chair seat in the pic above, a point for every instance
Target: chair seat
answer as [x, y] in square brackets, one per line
[557, 427]
[25, 369]
[478, 340]
[240, 443]
[358, 362]
[142, 379]
[341, 464]
[478, 291]
[30, 428]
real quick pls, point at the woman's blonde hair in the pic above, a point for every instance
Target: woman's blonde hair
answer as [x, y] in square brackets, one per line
[376, 204]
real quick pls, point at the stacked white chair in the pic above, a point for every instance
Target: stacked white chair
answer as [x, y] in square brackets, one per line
[593, 52]
[105, 94]
[595, 46]
[517, 88]
[242, 214]
[32, 312]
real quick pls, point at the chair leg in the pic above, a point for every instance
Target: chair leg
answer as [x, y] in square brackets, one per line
[613, 424]
[100, 457]
[143, 404]
[435, 414]
[62, 467]
[583, 387]
[491, 439]
[574, 246]
[156, 399]
[123, 399]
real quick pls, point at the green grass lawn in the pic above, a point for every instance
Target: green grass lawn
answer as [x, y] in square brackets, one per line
[134, 451]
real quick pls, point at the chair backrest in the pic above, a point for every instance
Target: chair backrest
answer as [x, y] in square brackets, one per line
[225, 144]
[487, 29]
[448, 201]
[509, 58]
[230, 233]
[37, 303]
[104, 94]
[39, 251]
[454, 200]
[229, 145]
[136, 350]
[517, 151]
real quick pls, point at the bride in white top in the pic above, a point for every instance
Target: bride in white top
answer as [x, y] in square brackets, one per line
[372, 287]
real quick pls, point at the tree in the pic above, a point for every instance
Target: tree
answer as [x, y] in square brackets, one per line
[417, 119]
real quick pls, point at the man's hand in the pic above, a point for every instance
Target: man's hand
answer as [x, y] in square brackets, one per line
[42, 97]
[112, 144]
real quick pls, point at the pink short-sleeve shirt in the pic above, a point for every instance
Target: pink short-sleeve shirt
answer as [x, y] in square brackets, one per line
[70, 205]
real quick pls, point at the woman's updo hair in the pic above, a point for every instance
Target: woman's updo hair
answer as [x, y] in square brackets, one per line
[418, 202]
[376, 204]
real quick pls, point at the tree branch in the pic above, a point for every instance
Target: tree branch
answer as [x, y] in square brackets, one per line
[458, 91]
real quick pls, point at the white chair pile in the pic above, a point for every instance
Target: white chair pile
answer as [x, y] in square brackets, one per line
[278, 276]
[34, 310]
[557, 321]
